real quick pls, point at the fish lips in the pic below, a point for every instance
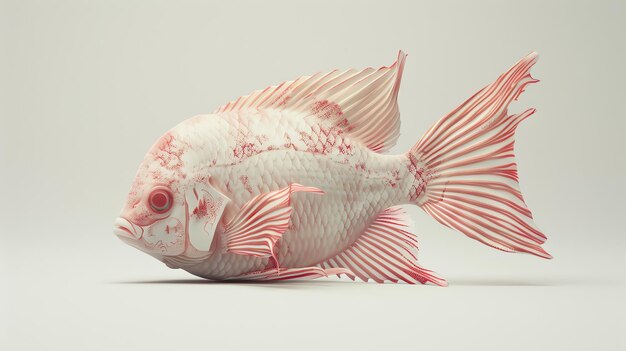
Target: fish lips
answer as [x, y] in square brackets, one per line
[125, 229]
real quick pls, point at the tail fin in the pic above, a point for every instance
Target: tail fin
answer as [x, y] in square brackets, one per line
[465, 172]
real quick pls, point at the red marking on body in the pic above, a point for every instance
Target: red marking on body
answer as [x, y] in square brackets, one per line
[289, 143]
[168, 151]
[157, 175]
[394, 178]
[142, 216]
[201, 210]
[345, 149]
[244, 149]
[322, 139]
[420, 175]
[310, 142]
[359, 166]
[207, 207]
[200, 179]
[325, 109]
[248, 145]
[246, 183]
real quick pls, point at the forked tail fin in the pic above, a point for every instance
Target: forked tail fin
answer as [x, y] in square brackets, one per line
[465, 171]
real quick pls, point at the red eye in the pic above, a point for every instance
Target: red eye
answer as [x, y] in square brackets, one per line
[160, 200]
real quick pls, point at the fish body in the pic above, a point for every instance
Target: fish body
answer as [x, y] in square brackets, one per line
[278, 150]
[292, 182]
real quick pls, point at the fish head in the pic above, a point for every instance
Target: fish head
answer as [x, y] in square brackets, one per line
[153, 216]
[170, 210]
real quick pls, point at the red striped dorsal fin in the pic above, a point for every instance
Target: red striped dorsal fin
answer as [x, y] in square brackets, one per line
[261, 222]
[386, 251]
[362, 102]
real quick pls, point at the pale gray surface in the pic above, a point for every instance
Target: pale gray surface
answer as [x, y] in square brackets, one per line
[87, 87]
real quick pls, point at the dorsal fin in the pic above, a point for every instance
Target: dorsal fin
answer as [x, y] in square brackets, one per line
[363, 103]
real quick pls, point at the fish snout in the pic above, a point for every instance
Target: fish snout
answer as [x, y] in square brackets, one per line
[126, 229]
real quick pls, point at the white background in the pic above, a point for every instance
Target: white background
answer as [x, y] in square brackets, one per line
[86, 87]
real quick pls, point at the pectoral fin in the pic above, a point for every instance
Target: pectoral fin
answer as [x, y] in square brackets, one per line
[261, 222]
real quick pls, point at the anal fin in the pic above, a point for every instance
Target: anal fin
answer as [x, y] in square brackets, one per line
[274, 274]
[386, 251]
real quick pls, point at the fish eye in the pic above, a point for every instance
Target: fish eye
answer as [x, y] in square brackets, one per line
[160, 200]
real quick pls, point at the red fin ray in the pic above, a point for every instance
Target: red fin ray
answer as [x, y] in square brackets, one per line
[386, 251]
[362, 102]
[467, 170]
[261, 222]
[277, 274]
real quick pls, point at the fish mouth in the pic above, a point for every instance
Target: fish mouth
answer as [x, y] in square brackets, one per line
[126, 229]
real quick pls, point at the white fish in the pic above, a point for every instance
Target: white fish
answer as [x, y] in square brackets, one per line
[292, 181]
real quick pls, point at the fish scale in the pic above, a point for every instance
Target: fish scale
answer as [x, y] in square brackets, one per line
[325, 224]
[293, 182]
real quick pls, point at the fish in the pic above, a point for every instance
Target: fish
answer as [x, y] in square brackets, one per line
[295, 181]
